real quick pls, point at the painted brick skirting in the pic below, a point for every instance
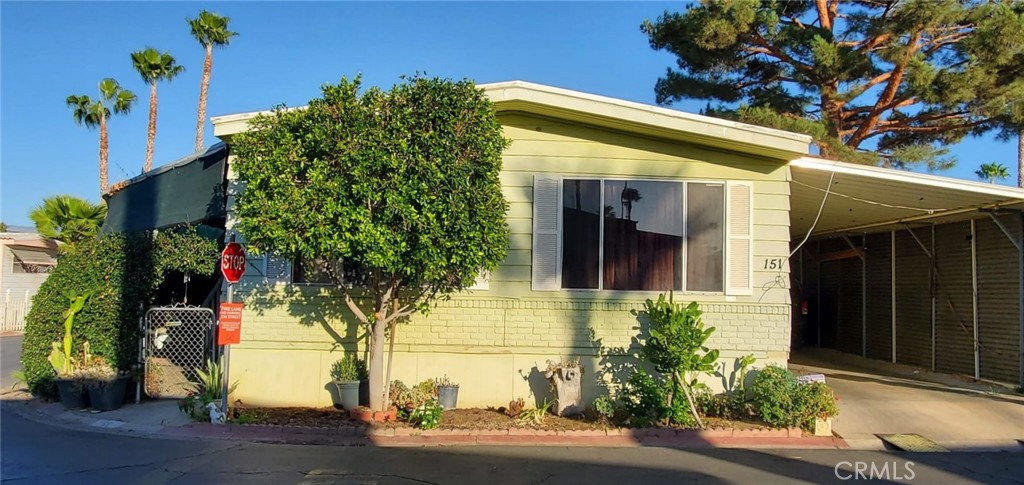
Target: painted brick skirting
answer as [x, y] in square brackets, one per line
[487, 325]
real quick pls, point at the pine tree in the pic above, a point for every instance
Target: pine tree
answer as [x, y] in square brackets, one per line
[901, 80]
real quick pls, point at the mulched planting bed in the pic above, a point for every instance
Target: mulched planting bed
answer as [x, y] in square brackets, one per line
[461, 419]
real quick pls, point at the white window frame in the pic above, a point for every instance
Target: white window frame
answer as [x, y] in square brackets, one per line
[724, 184]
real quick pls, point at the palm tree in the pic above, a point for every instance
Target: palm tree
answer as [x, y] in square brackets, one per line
[211, 30]
[68, 219]
[154, 66]
[113, 99]
[992, 172]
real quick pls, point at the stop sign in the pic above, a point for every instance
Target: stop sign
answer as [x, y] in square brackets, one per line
[232, 262]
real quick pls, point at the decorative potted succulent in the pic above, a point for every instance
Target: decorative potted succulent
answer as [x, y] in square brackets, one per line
[447, 392]
[72, 393]
[346, 373]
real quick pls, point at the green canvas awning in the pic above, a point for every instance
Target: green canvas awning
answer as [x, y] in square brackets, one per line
[188, 191]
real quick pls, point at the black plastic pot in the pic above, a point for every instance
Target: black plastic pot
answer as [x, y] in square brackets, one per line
[364, 392]
[448, 396]
[108, 396]
[72, 394]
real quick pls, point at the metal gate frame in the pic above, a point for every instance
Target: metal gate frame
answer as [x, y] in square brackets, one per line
[176, 340]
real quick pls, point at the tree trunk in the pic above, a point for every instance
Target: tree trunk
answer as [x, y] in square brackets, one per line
[1020, 158]
[378, 331]
[151, 131]
[391, 354]
[204, 89]
[103, 156]
[689, 399]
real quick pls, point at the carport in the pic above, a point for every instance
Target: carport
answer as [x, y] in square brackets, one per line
[908, 268]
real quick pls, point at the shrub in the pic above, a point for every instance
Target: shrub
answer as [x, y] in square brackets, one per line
[775, 392]
[676, 347]
[605, 407]
[642, 399]
[783, 402]
[816, 400]
[427, 415]
[119, 271]
[122, 271]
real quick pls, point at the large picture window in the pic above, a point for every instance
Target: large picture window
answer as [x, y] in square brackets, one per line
[642, 235]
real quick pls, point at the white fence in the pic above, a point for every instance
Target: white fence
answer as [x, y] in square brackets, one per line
[13, 310]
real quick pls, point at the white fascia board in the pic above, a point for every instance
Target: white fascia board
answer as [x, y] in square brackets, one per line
[655, 118]
[903, 176]
[645, 114]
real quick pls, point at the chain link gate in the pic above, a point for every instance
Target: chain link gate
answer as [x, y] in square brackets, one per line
[177, 340]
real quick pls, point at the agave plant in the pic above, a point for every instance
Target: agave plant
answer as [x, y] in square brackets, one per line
[211, 381]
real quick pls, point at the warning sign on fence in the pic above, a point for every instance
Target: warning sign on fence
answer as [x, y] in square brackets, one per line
[229, 327]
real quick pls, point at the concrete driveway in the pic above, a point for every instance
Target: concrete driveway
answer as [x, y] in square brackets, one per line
[880, 398]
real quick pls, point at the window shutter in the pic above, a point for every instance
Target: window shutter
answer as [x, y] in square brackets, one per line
[739, 260]
[277, 269]
[547, 203]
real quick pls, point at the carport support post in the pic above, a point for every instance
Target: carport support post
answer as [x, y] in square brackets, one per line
[864, 296]
[974, 297]
[892, 275]
[1020, 288]
[933, 287]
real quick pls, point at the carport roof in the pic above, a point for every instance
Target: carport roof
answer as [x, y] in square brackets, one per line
[872, 199]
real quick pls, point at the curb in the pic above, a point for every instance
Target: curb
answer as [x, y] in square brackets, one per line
[404, 436]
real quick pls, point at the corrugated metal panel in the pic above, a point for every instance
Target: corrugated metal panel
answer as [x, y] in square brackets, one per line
[879, 275]
[831, 305]
[850, 323]
[954, 323]
[913, 301]
[998, 300]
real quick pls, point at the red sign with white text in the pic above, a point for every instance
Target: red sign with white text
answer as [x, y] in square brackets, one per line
[232, 262]
[229, 329]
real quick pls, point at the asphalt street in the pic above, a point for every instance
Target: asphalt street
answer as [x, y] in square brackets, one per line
[37, 453]
[10, 356]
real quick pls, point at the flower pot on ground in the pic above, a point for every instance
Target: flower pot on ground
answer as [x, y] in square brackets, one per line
[347, 373]
[108, 395]
[822, 426]
[567, 379]
[73, 394]
[447, 393]
[105, 385]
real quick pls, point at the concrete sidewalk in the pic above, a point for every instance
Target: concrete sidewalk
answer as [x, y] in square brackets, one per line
[162, 419]
[956, 414]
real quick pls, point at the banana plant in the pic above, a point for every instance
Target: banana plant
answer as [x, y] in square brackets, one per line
[60, 355]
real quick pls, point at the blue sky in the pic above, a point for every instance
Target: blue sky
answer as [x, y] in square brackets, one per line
[284, 53]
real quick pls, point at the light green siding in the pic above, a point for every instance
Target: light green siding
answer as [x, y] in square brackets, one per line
[493, 340]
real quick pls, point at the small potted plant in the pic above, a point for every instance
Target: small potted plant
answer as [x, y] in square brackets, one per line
[65, 363]
[346, 373]
[447, 392]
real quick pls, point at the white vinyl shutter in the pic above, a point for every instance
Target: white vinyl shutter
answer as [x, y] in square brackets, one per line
[739, 260]
[547, 203]
[277, 269]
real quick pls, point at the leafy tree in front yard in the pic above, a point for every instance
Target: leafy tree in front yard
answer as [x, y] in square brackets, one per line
[401, 186]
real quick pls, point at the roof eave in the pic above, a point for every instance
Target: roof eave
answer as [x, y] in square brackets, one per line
[611, 113]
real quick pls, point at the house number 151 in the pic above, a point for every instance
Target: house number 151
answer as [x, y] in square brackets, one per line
[774, 263]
